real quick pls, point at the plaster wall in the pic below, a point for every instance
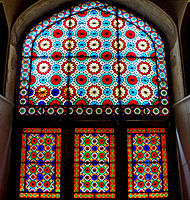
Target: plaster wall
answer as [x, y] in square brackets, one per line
[176, 72]
[182, 120]
[6, 112]
[174, 8]
[13, 8]
[179, 7]
[11, 73]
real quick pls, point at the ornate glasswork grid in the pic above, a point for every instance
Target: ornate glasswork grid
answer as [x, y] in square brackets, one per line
[40, 167]
[93, 59]
[94, 163]
[147, 163]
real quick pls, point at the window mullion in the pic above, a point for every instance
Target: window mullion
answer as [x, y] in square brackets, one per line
[67, 163]
[121, 161]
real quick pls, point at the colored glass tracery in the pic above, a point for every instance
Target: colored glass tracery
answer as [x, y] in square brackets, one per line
[94, 163]
[40, 166]
[94, 58]
[147, 163]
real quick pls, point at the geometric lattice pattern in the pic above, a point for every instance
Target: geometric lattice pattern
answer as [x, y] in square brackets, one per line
[146, 148]
[39, 177]
[40, 148]
[147, 177]
[94, 163]
[40, 163]
[92, 68]
[94, 177]
[147, 163]
[94, 148]
[90, 56]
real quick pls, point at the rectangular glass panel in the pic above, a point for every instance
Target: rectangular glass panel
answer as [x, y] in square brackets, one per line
[94, 163]
[40, 168]
[147, 163]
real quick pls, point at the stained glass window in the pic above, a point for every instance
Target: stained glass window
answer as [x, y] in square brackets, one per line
[93, 59]
[147, 163]
[40, 166]
[94, 163]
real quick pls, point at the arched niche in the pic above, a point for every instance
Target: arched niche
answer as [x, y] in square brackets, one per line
[145, 8]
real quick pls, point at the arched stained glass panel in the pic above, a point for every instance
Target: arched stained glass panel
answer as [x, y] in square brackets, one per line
[93, 59]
